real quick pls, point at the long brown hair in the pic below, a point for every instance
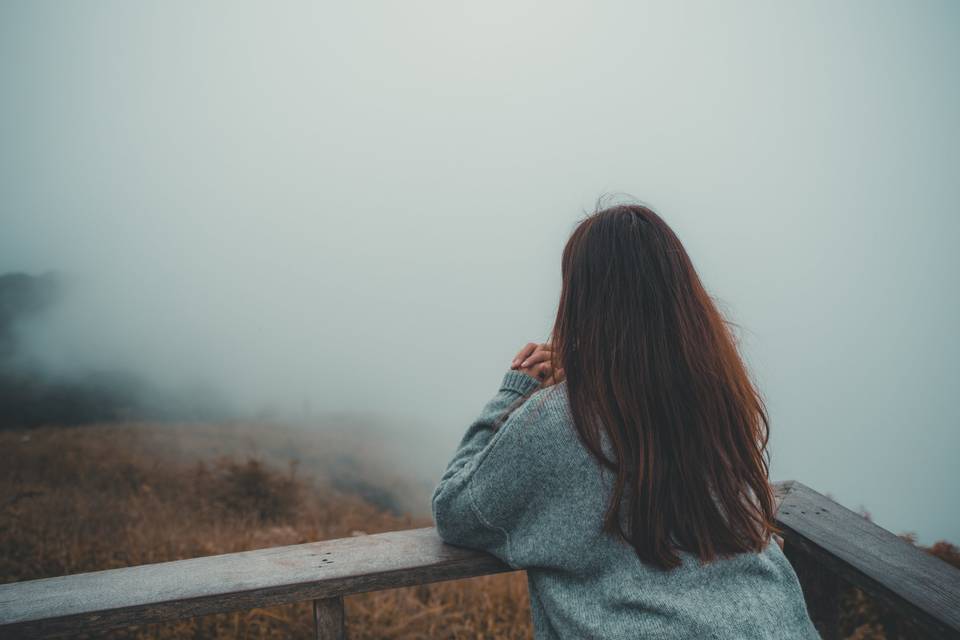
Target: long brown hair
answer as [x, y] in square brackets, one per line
[651, 363]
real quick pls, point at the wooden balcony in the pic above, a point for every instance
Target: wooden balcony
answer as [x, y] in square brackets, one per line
[825, 542]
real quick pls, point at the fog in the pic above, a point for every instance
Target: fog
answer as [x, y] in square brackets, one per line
[361, 206]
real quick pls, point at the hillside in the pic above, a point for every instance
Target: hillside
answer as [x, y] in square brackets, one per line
[76, 499]
[105, 496]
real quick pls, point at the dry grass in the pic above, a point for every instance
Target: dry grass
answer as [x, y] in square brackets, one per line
[105, 496]
[100, 497]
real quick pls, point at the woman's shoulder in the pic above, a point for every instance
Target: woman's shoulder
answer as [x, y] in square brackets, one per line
[543, 424]
[547, 407]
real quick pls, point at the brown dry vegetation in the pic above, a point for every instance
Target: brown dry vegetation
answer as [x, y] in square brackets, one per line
[106, 496]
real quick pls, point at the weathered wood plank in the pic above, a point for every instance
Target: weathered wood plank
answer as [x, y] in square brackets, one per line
[328, 619]
[921, 587]
[265, 577]
[821, 590]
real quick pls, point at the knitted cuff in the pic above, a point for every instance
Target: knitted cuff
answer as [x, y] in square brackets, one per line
[519, 382]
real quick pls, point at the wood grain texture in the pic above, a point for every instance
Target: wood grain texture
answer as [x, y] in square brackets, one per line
[328, 619]
[199, 586]
[921, 587]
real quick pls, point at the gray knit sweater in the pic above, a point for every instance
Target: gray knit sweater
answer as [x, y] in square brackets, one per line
[531, 494]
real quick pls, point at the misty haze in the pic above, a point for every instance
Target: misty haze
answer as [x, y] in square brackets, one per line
[341, 221]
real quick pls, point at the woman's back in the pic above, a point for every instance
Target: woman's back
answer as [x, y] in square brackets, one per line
[533, 495]
[633, 486]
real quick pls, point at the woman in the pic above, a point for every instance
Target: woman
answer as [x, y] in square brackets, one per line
[623, 463]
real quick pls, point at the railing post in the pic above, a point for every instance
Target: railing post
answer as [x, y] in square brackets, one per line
[821, 590]
[328, 619]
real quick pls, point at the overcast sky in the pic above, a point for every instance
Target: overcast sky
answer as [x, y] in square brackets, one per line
[361, 206]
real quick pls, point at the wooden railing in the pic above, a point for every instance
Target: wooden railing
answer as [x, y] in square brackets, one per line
[826, 543]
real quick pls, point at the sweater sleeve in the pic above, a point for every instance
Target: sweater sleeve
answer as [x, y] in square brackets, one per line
[482, 489]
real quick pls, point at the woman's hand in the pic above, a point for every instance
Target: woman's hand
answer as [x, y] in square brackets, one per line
[535, 360]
